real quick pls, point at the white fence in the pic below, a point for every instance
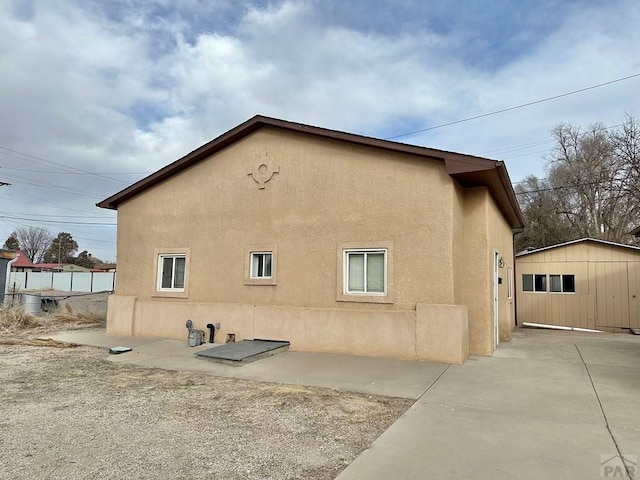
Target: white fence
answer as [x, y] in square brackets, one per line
[62, 281]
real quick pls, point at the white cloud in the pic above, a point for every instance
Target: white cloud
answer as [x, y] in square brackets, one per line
[135, 87]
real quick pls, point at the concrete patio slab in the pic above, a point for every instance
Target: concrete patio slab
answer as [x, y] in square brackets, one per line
[547, 405]
[98, 338]
[375, 376]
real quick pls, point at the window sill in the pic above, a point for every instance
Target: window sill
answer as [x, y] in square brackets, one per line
[170, 294]
[260, 281]
[347, 297]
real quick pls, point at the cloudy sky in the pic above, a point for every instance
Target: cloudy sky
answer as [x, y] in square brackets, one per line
[96, 94]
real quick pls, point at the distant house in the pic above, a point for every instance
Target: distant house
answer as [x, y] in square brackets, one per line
[585, 283]
[22, 263]
[336, 242]
[103, 267]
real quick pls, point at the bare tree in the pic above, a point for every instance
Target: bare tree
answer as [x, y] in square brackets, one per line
[584, 166]
[592, 187]
[626, 144]
[34, 242]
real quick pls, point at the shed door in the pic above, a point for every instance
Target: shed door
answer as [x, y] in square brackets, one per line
[612, 294]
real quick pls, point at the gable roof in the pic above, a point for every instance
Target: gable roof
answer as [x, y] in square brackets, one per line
[22, 261]
[469, 171]
[572, 242]
[49, 266]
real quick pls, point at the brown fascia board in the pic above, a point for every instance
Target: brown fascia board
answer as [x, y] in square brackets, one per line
[473, 172]
[461, 167]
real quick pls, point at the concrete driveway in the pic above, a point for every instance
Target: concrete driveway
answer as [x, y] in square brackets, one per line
[547, 405]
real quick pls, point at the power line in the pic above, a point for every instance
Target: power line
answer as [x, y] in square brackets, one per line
[102, 217]
[59, 222]
[535, 102]
[27, 156]
[562, 187]
[53, 172]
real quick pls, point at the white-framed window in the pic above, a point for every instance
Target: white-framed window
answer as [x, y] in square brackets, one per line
[365, 272]
[534, 283]
[261, 264]
[171, 272]
[509, 283]
[562, 283]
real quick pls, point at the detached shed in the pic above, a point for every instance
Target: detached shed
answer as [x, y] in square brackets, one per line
[585, 283]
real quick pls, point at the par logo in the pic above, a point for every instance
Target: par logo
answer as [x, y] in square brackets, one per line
[612, 466]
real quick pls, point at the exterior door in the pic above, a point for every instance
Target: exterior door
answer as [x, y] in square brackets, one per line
[496, 323]
[612, 294]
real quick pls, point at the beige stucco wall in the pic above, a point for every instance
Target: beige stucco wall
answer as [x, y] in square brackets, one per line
[607, 284]
[431, 332]
[309, 207]
[485, 232]
[325, 195]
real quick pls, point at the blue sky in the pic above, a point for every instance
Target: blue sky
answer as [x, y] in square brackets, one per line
[95, 95]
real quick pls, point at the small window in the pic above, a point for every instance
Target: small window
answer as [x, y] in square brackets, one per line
[365, 272]
[171, 271]
[509, 283]
[261, 264]
[569, 283]
[534, 283]
[540, 283]
[562, 283]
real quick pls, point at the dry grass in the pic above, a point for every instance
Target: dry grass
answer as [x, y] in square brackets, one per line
[16, 318]
[66, 314]
[38, 342]
[17, 327]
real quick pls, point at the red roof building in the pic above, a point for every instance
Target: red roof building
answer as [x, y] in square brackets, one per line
[22, 262]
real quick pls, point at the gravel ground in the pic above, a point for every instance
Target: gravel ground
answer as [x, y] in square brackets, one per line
[69, 413]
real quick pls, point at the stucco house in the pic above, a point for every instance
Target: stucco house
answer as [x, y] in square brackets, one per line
[335, 242]
[587, 283]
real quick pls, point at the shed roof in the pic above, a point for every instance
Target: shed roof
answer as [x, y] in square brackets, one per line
[573, 242]
[469, 171]
[7, 254]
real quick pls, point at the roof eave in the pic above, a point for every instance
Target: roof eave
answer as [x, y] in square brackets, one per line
[579, 240]
[492, 174]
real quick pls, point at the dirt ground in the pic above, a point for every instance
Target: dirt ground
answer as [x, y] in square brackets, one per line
[70, 413]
